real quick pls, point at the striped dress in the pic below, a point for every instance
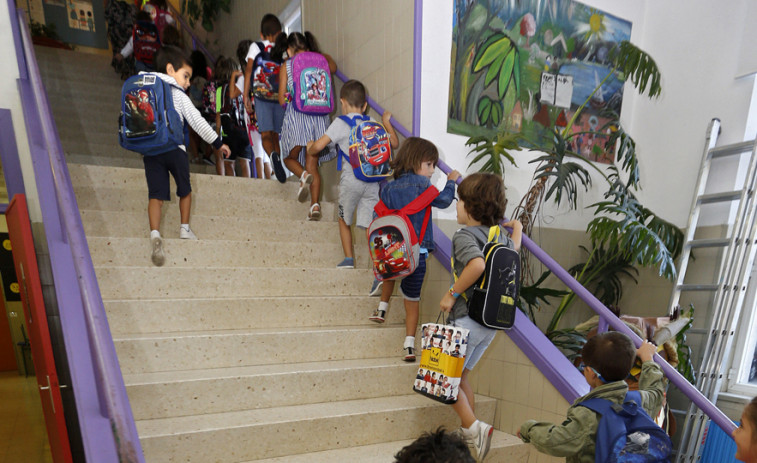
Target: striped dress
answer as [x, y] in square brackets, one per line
[299, 128]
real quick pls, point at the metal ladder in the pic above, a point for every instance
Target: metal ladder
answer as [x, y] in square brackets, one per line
[729, 287]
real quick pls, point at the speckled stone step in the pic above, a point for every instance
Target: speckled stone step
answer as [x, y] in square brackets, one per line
[144, 316]
[282, 431]
[218, 390]
[229, 282]
[214, 202]
[146, 353]
[505, 448]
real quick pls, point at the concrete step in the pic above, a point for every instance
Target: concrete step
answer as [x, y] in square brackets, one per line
[145, 316]
[218, 390]
[134, 179]
[122, 158]
[148, 353]
[211, 253]
[284, 431]
[505, 448]
[204, 202]
[112, 224]
[229, 282]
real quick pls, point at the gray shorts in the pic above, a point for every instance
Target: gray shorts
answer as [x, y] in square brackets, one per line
[357, 196]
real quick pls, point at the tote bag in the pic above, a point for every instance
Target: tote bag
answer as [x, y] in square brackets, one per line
[443, 349]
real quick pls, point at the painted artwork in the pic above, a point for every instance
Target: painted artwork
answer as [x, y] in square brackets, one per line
[526, 66]
[80, 15]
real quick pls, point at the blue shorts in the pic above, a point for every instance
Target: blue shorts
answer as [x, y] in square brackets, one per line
[410, 286]
[157, 169]
[270, 115]
[479, 339]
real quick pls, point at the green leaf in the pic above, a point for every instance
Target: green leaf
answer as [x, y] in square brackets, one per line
[484, 110]
[638, 67]
[496, 113]
[488, 52]
[505, 73]
[493, 70]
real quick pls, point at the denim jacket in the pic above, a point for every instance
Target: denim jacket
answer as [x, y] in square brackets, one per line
[400, 192]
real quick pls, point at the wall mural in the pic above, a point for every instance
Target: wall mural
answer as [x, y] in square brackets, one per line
[523, 66]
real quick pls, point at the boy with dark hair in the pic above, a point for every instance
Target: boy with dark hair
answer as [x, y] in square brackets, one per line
[607, 361]
[269, 113]
[437, 447]
[175, 69]
[356, 197]
[480, 206]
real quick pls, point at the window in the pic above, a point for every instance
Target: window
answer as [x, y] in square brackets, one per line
[743, 378]
[291, 17]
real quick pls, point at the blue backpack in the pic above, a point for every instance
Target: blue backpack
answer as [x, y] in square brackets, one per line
[626, 433]
[149, 124]
[370, 149]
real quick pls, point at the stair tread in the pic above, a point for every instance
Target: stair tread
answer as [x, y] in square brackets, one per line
[249, 332]
[134, 379]
[385, 451]
[268, 416]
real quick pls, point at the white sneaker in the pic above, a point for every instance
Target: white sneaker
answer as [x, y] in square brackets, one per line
[186, 234]
[482, 440]
[158, 258]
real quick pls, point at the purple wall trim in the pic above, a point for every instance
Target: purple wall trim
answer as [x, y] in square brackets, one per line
[17, 43]
[14, 180]
[417, 65]
[107, 425]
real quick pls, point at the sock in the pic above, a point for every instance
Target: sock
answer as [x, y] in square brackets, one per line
[410, 341]
[473, 430]
[154, 234]
[185, 226]
[384, 306]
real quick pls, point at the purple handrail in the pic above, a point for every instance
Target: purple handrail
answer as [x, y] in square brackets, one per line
[113, 402]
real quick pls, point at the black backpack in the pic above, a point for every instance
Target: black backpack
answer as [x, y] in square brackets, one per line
[495, 294]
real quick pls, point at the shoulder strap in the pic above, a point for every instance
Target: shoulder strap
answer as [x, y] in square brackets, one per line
[423, 201]
[351, 123]
[219, 98]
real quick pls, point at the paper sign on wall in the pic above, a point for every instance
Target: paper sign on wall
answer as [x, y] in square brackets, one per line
[80, 15]
[556, 89]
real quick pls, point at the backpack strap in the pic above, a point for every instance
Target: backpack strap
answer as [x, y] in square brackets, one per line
[423, 201]
[492, 237]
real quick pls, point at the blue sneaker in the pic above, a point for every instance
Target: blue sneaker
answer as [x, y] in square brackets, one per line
[348, 262]
[376, 288]
[278, 167]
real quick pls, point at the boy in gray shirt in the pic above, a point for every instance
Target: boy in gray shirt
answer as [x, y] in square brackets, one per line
[356, 197]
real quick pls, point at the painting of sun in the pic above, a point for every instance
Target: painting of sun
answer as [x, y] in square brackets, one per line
[527, 66]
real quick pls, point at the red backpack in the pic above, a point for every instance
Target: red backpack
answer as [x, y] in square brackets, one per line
[146, 42]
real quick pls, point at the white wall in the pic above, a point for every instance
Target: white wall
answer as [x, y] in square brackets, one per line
[696, 45]
[10, 99]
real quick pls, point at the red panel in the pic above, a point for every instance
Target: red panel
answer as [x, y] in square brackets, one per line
[7, 353]
[25, 260]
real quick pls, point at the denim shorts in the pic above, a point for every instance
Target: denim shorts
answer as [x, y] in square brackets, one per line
[270, 115]
[479, 339]
[157, 169]
[410, 286]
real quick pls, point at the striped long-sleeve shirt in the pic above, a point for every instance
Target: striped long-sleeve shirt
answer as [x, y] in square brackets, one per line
[187, 111]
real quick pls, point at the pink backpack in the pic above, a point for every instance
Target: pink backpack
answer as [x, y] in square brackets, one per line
[312, 92]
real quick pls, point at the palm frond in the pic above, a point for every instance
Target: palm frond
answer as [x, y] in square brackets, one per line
[638, 67]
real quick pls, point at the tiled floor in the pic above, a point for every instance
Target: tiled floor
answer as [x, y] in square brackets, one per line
[23, 438]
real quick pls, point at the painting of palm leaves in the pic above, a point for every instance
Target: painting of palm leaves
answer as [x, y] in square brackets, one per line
[501, 51]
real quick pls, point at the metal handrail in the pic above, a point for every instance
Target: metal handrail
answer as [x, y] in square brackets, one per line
[111, 396]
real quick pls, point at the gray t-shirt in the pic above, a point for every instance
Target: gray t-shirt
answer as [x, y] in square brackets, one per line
[467, 244]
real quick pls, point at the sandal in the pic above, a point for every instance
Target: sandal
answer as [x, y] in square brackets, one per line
[305, 180]
[314, 214]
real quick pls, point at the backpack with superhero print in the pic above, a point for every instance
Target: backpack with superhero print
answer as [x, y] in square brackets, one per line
[146, 42]
[370, 149]
[265, 82]
[312, 92]
[149, 123]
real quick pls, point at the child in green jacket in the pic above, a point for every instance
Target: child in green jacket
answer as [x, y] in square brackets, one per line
[608, 358]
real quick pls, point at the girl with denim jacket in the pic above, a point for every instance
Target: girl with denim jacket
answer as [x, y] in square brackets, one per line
[413, 168]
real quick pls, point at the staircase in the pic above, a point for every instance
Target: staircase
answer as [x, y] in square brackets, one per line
[248, 345]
